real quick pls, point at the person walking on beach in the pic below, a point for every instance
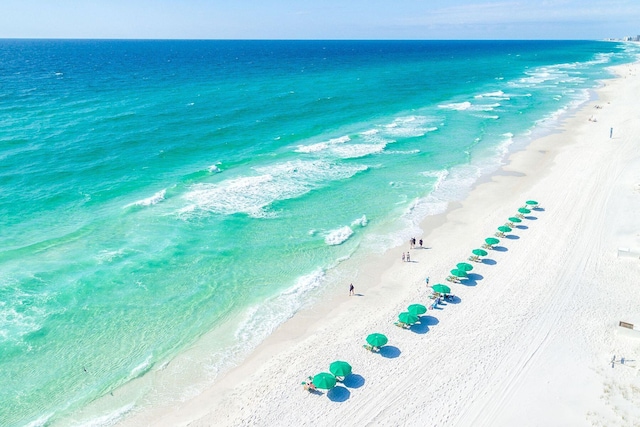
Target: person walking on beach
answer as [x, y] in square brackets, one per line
[610, 133]
[351, 289]
[420, 242]
[408, 257]
[402, 256]
[427, 280]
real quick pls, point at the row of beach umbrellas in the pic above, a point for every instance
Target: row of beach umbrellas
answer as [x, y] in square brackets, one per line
[341, 369]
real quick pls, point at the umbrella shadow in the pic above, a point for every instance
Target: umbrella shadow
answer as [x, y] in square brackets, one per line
[500, 249]
[538, 209]
[353, 381]
[390, 352]
[512, 237]
[531, 218]
[429, 320]
[453, 299]
[522, 227]
[338, 394]
[489, 261]
[419, 328]
[472, 279]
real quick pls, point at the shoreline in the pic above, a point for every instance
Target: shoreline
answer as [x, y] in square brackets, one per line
[315, 336]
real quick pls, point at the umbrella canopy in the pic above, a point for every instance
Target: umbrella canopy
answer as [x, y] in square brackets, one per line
[324, 380]
[532, 203]
[417, 309]
[377, 340]
[459, 273]
[340, 368]
[408, 318]
[440, 288]
[515, 219]
[464, 266]
[524, 211]
[504, 229]
[492, 241]
[479, 252]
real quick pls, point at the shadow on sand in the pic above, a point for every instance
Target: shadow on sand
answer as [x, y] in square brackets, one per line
[531, 218]
[390, 352]
[522, 227]
[489, 261]
[419, 328]
[500, 249]
[338, 394]
[512, 237]
[353, 381]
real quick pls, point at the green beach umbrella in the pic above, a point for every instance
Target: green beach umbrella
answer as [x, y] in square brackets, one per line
[340, 368]
[524, 211]
[442, 289]
[417, 309]
[408, 318]
[492, 241]
[324, 380]
[532, 203]
[377, 340]
[464, 266]
[459, 273]
[515, 219]
[479, 252]
[504, 229]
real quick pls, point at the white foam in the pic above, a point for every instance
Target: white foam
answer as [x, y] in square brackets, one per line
[321, 146]
[149, 201]
[353, 151]
[496, 94]
[252, 194]
[141, 368]
[457, 106]
[40, 422]
[261, 320]
[108, 419]
[362, 221]
[338, 236]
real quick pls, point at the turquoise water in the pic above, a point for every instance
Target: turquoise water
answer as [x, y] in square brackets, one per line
[155, 192]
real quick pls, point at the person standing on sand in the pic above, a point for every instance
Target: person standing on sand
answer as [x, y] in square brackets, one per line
[610, 133]
[402, 256]
[420, 242]
[408, 257]
[351, 289]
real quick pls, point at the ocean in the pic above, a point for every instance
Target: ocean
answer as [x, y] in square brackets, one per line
[167, 204]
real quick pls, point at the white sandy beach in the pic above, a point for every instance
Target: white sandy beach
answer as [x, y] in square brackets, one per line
[530, 339]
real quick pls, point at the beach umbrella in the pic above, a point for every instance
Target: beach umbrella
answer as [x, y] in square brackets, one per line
[408, 318]
[504, 229]
[377, 340]
[515, 219]
[340, 368]
[417, 309]
[524, 211]
[479, 252]
[442, 289]
[532, 203]
[491, 241]
[464, 266]
[324, 380]
[459, 273]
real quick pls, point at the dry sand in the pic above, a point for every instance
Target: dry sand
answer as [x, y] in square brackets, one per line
[529, 341]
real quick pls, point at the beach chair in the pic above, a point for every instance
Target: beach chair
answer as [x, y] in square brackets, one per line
[402, 325]
[371, 348]
[487, 246]
[499, 234]
[453, 279]
[475, 258]
[510, 225]
[521, 216]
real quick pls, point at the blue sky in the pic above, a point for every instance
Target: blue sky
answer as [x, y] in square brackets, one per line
[320, 19]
